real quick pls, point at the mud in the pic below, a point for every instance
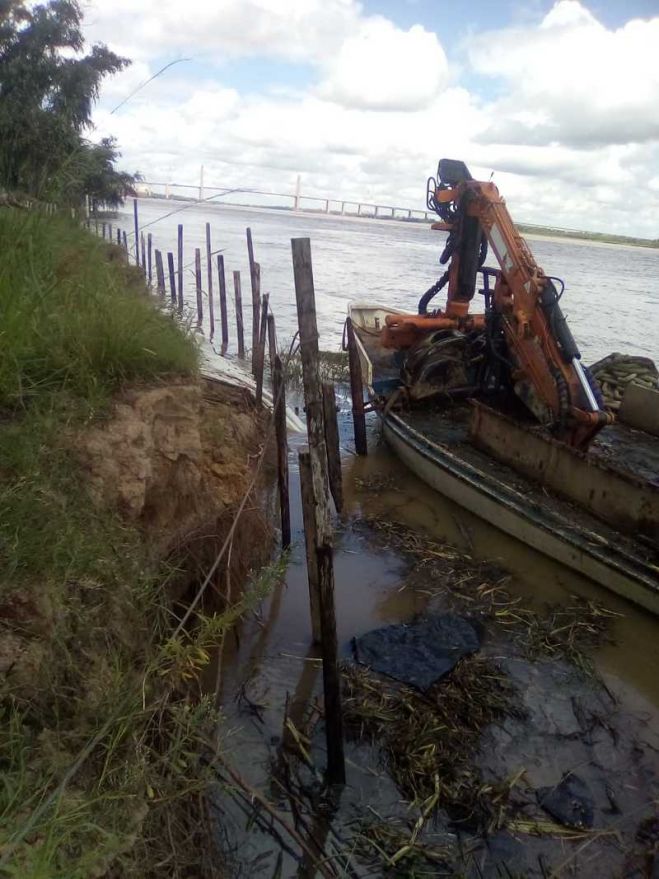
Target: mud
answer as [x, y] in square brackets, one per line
[597, 718]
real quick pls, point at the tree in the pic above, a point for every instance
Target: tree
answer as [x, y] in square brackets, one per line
[48, 86]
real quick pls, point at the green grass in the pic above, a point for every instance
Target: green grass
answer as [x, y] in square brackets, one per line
[73, 320]
[98, 738]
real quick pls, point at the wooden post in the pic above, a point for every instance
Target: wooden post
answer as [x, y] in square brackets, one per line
[110, 232]
[137, 232]
[279, 411]
[172, 275]
[104, 230]
[209, 271]
[149, 264]
[239, 315]
[256, 329]
[180, 267]
[272, 342]
[256, 296]
[356, 392]
[160, 275]
[143, 247]
[260, 359]
[306, 313]
[197, 272]
[332, 443]
[224, 320]
[125, 240]
[306, 490]
[118, 237]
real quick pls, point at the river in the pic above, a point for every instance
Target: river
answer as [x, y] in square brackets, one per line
[611, 297]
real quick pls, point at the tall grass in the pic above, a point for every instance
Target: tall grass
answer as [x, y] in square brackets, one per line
[73, 317]
[97, 738]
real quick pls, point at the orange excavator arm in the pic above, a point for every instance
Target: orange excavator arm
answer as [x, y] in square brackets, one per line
[546, 370]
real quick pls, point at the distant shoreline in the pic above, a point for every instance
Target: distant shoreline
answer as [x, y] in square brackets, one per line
[523, 228]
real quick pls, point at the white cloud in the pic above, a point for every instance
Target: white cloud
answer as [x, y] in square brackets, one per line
[380, 66]
[587, 85]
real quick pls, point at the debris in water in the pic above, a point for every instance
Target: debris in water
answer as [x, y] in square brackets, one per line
[419, 653]
[570, 802]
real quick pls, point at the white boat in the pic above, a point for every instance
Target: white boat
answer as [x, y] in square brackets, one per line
[434, 442]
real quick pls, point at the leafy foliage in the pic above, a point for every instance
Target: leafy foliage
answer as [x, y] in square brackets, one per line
[48, 86]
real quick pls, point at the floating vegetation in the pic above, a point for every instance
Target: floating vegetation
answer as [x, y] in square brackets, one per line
[567, 631]
[428, 740]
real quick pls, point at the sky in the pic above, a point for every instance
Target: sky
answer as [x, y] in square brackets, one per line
[557, 102]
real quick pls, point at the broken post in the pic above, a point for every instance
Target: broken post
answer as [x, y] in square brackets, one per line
[224, 318]
[180, 267]
[279, 411]
[239, 315]
[160, 275]
[172, 276]
[197, 274]
[260, 353]
[324, 564]
[356, 391]
[209, 272]
[332, 443]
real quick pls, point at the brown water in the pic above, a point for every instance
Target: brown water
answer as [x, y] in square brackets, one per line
[269, 666]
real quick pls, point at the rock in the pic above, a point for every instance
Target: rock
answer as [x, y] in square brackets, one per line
[570, 801]
[419, 653]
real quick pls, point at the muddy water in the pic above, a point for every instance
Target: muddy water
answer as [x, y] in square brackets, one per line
[269, 666]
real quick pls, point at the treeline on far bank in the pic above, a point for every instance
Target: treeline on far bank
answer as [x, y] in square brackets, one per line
[49, 84]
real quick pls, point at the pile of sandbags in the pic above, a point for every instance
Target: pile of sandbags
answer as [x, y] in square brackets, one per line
[616, 371]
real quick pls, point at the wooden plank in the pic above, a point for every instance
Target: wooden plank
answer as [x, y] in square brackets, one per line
[239, 315]
[136, 223]
[260, 359]
[209, 272]
[333, 447]
[224, 318]
[143, 253]
[356, 392]
[279, 401]
[149, 257]
[256, 329]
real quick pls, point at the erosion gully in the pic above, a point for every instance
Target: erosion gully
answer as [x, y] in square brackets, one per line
[605, 728]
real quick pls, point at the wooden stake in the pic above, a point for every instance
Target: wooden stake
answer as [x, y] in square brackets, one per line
[125, 240]
[197, 272]
[104, 229]
[306, 312]
[118, 237]
[356, 392]
[272, 342]
[224, 319]
[209, 268]
[308, 518]
[279, 400]
[172, 275]
[143, 249]
[333, 448]
[180, 268]
[256, 329]
[160, 275]
[149, 265]
[137, 232]
[239, 315]
[260, 359]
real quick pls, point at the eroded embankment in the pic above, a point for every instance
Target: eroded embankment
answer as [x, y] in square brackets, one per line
[121, 471]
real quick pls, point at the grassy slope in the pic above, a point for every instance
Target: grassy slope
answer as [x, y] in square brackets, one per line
[87, 770]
